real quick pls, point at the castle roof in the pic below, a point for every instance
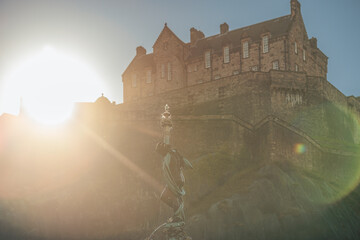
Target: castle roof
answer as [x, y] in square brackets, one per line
[141, 62]
[275, 27]
[167, 29]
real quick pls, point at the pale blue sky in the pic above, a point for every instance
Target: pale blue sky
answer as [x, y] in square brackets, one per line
[105, 33]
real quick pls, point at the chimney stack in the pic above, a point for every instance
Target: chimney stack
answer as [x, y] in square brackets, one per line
[295, 7]
[140, 51]
[224, 28]
[313, 42]
[195, 35]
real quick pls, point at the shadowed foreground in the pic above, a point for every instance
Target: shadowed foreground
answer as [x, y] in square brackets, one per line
[69, 185]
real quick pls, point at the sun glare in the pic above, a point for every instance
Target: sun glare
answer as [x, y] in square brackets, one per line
[49, 83]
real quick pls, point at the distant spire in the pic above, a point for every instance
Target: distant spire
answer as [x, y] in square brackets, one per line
[165, 24]
[21, 107]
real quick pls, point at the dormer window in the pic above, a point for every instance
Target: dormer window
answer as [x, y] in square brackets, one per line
[265, 43]
[295, 48]
[226, 54]
[304, 55]
[148, 76]
[169, 71]
[246, 49]
[207, 59]
[133, 80]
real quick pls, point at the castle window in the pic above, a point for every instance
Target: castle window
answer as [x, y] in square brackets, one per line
[246, 49]
[207, 59]
[304, 55]
[162, 70]
[226, 54]
[275, 65]
[133, 81]
[295, 47]
[265, 42]
[296, 68]
[169, 71]
[148, 76]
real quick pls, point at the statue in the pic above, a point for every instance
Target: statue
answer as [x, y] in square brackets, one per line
[172, 195]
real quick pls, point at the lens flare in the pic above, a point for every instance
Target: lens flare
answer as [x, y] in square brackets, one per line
[299, 148]
[336, 160]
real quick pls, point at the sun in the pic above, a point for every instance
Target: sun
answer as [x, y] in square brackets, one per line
[49, 83]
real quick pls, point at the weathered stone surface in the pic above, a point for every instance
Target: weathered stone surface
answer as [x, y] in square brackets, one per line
[301, 216]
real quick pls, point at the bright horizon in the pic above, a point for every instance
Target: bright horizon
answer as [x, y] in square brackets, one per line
[46, 85]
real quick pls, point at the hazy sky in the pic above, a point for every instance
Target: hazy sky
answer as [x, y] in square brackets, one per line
[105, 33]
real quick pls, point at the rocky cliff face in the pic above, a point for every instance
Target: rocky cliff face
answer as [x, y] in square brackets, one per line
[276, 201]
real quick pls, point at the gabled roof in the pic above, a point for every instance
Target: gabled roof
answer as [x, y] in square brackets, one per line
[276, 27]
[167, 29]
[141, 62]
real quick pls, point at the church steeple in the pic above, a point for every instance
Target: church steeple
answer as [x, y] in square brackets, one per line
[21, 108]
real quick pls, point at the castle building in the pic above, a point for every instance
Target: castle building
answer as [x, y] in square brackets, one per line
[278, 44]
[262, 88]
[239, 100]
[256, 92]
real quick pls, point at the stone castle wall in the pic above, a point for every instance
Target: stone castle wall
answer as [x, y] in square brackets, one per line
[237, 111]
